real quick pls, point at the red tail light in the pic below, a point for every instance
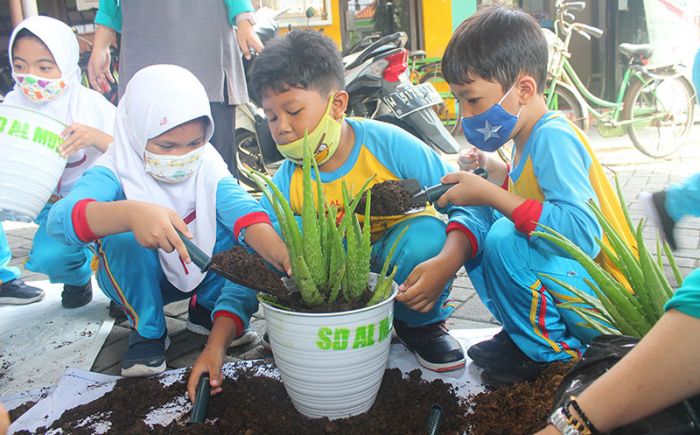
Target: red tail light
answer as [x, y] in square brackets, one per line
[397, 65]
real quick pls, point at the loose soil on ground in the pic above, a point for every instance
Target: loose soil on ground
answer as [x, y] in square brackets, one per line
[259, 405]
[389, 198]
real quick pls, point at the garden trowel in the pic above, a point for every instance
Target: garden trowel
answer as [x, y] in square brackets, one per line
[205, 263]
[420, 195]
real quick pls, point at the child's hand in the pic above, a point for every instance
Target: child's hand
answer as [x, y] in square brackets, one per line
[471, 189]
[424, 285]
[209, 361]
[247, 39]
[265, 241]
[470, 159]
[77, 136]
[4, 420]
[154, 227]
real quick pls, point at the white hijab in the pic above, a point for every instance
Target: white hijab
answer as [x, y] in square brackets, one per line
[157, 99]
[78, 104]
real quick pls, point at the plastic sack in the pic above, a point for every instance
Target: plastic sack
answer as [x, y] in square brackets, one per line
[602, 353]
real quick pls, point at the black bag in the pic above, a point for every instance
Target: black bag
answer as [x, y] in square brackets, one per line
[604, 352]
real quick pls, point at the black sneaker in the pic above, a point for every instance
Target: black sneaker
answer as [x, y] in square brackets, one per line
[434, 347]
[655, 207]
[116, 312]
[199, 322]
[487, 352]
[144, 357]
[17, 292]
[512, 370]
[74, 296]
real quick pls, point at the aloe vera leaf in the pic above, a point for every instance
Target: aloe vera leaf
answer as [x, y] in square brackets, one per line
[674, 267]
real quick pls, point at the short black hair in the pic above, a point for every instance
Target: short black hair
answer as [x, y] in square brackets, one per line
[496, 43]
[300, 59]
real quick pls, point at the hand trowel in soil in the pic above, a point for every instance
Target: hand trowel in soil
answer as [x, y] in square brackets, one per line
[420, 196]
[201, 400]
[274, 285]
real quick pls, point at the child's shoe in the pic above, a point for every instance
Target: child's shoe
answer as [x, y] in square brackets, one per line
[144, 357]
[74, 296]
[512, 370]
[655, 209]
[116, 312]
[487, 352]
[434, 347]
[17, 292]
[199, 322]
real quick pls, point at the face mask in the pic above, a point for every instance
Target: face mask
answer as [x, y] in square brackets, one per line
[324, 138]
[173, 169]
[39, 89]
[489, 130]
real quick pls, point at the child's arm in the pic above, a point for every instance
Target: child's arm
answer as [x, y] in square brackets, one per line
[212, 357]
[77, 136]
[471, 189]
[265, 241]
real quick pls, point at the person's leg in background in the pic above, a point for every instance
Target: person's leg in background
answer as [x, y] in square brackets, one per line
[12, 289]
[224, 127]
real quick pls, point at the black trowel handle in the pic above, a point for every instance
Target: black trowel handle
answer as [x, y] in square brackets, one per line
[202, 260]
[434, 192]
[201, 400]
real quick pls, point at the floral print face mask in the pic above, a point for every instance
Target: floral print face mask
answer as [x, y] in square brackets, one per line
[173, 169]
[40, 89]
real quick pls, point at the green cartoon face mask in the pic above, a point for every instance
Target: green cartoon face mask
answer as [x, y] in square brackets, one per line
[324, 138]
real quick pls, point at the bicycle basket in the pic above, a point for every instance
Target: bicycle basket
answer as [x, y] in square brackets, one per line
[556, 48]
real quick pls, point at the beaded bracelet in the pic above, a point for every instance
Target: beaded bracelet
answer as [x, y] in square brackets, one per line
[586, 422]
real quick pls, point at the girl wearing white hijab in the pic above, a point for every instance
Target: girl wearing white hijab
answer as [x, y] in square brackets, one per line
[44, 56]
[161, 174]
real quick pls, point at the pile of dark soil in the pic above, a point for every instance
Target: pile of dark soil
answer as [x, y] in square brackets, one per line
[249, 269]
[260, 405]
[389, 198]
[295, 303]
[518, 409]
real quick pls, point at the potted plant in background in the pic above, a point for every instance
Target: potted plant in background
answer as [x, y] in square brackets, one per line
[331, 345]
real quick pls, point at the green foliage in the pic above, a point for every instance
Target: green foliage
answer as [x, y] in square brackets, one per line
[615, 309]
[328, 258]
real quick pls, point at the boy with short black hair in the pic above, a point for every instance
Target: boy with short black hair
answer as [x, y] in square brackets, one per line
[496, 65]
[299, 81]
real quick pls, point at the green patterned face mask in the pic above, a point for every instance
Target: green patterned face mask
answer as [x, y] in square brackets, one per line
[325, 139]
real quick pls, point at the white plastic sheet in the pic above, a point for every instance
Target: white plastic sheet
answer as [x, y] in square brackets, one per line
[40, 340]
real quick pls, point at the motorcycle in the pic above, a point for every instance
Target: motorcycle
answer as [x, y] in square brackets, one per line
[377, 81]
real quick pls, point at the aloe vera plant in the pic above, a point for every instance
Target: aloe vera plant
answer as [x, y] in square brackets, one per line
[629, 308]
[328, 258]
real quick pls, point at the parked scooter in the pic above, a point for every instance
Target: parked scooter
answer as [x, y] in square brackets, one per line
[377, 81]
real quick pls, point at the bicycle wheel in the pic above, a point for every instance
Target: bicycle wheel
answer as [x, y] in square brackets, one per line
[566, 103]
[448, 111]
[661, 113]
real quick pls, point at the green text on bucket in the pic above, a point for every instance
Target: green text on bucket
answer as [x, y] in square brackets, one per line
[361, 336]
[21, 130]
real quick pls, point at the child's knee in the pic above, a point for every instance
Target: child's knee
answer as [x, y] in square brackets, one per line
[425, 237]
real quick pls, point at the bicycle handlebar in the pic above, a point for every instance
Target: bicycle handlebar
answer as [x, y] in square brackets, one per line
[575, 6]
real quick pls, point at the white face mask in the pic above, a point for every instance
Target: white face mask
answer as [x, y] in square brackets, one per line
[173, 169]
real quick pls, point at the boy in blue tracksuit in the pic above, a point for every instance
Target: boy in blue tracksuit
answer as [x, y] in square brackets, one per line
[496, 66]
[299, 81]
[159, 176]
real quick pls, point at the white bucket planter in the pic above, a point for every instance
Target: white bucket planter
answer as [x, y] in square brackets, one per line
[30, 165]
[332, 364]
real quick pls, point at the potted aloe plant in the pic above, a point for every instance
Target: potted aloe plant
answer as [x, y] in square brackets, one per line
[331, 363]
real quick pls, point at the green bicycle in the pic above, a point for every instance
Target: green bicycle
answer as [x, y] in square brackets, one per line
[654, 106]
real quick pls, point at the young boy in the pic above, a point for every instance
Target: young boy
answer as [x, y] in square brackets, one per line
[299, 82]
[496, 65]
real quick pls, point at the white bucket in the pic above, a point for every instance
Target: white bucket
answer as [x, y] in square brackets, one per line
[30, 165]
[332, 364]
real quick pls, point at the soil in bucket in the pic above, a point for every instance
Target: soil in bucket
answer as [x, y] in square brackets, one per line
[389, 198]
